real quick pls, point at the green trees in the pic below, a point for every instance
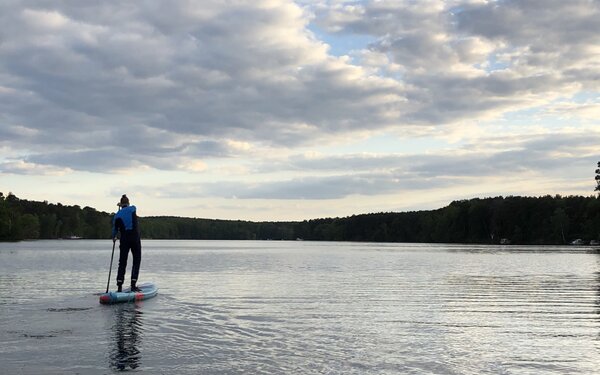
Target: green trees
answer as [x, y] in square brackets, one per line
[21, 219]
[522, 220]
[560, 224]
[5, 220]
[9, 219]
[598, 178]
[28, 226]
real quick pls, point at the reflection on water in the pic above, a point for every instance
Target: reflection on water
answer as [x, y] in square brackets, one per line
[128, 329]
[304, 308]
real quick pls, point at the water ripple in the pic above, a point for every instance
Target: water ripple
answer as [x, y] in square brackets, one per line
[300, 308]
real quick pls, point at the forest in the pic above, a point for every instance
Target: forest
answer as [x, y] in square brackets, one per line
[542, 220]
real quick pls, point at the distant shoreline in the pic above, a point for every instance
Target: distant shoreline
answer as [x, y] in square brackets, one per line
[546, 220]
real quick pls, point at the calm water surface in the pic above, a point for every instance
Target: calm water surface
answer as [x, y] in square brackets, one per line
[271, 307]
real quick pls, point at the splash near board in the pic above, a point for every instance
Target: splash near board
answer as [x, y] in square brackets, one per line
[148, 290]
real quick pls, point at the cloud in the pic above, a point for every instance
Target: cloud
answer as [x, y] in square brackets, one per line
[87, 76]
[115, 86]
[309, 188]
[128, 153]
[588, 111]
[20, 167]
[477, 59]
[484, 156]
[490, 160]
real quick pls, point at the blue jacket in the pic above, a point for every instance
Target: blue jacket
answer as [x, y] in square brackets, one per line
[125, 220]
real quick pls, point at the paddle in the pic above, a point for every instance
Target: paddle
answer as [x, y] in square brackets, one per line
[111, 260]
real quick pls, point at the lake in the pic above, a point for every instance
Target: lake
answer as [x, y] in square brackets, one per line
[272, 307]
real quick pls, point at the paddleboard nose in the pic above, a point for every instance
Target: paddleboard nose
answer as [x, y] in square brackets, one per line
[107, 298]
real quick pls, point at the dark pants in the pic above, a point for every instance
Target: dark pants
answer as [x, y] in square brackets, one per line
[129, 241]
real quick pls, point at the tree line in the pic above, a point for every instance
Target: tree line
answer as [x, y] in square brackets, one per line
[21, 219]
[520, 220]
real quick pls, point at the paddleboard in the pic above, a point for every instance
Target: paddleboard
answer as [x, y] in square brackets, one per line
[149, 290]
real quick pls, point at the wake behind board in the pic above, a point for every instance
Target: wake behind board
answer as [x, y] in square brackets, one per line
[149, 290]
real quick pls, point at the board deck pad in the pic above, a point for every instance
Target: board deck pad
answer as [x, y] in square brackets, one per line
[149, 290]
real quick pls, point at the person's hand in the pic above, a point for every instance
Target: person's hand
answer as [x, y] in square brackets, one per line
[114, 239]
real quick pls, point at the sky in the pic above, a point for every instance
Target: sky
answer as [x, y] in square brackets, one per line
[290, 110]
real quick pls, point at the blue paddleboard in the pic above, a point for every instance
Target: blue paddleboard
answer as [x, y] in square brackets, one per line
[149, 290]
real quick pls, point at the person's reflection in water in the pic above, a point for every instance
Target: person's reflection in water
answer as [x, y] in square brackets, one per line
[127, 331]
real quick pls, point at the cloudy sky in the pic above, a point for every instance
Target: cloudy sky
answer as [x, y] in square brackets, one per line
[290, 110]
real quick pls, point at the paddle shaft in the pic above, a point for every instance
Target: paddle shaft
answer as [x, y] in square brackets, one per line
[110, 269]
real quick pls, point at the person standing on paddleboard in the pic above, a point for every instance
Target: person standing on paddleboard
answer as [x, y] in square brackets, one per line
[126, 222]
